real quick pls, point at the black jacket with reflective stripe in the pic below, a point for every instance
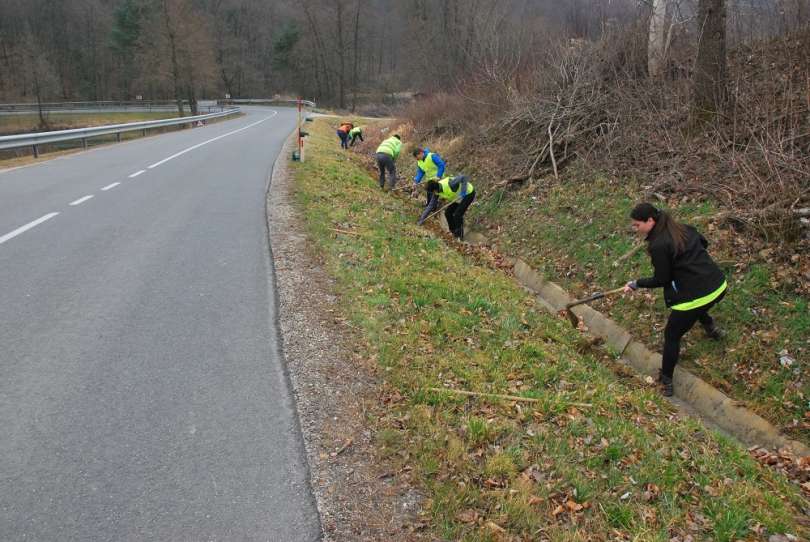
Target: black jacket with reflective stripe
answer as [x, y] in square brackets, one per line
[684, 276]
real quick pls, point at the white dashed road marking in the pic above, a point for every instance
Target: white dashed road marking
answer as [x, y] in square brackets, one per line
[80, 200]
[37, 222]
[21, 229]
[198, 145]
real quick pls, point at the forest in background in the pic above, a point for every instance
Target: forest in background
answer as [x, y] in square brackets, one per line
[672, 91]
[338, 52]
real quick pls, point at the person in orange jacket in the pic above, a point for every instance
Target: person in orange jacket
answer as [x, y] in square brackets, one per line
[343, 134]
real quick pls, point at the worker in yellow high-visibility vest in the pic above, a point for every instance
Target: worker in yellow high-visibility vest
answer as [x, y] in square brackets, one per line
[387, 153]
[429, 165]
[457, 190]
[355, 134]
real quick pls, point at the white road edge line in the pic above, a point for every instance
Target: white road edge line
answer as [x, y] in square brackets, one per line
[113, 185]
[80, 200]
[22, 229]
[198, 145]
[137, 173]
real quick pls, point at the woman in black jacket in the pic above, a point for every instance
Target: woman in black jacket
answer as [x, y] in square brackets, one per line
[691, 280]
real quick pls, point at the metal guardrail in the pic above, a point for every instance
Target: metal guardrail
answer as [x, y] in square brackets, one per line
[137, 105]
[33, 140]
[259, 101]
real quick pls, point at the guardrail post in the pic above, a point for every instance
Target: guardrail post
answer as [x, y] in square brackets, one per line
[118, 137]
[84, 143]
[36, 151]
[144, 133]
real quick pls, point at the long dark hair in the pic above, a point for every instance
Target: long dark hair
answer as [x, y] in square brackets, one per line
[663, 222]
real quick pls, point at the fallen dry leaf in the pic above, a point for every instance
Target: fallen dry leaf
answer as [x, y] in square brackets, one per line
[495, 527]
[467, 516]
[573, 506]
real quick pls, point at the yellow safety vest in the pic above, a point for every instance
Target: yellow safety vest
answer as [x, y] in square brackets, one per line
[391, 147]
[447, 192]
[428, 167]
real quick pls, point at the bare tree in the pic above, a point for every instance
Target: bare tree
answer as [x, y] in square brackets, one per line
[355, 54]
[180, 51]
[709, 93]
[656, 49]
[341, 51]
[39, 74]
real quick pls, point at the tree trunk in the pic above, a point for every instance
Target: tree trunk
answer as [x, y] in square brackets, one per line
[709, 93]
[175, 64]
[656, 48]
[341, 55]
[356, 53]
[319, 46]
[192, 95]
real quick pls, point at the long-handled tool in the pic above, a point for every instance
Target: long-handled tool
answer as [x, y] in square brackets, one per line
[437, 211]
[599, 295]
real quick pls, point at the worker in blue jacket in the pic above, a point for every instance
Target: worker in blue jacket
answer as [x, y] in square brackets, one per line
[429, 165]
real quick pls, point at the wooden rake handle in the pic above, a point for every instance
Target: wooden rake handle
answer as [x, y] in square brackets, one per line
[594, 297]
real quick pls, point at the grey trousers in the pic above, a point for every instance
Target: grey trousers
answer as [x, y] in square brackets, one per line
[386, 162]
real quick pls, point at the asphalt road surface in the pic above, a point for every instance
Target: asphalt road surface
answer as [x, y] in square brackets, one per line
[142, 392]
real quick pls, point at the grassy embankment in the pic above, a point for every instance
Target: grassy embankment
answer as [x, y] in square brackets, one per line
[598, 457]
[574, 231]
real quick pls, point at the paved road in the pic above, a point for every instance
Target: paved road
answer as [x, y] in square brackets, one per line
[142, 394]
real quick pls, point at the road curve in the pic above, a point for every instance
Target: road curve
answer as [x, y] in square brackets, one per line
[142, 391]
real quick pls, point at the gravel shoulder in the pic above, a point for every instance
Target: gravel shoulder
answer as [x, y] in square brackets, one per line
[338, 393]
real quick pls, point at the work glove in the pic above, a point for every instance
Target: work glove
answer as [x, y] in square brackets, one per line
[630, 286]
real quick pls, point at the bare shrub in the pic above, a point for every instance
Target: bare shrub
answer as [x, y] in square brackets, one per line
[592, 101]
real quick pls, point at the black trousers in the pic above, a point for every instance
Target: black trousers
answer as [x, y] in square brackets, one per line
[455, 215]
[678, 324]
[386, 163]
[354, 139]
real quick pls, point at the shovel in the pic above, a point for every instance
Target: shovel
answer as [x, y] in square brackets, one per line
[599, 295]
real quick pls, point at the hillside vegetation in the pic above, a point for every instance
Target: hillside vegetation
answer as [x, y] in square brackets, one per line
[598, 455]
[615, 138]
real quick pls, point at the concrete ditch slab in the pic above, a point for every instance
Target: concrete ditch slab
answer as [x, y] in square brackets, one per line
[706, 400]
[616, 337]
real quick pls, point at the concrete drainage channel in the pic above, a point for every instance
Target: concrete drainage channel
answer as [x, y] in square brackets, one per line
[706, 400]
[700, 397]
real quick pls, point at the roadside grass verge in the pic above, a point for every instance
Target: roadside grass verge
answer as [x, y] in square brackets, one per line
[573, 232]
[598, 456]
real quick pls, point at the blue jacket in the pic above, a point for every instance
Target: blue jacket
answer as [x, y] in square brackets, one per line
[436, 160]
